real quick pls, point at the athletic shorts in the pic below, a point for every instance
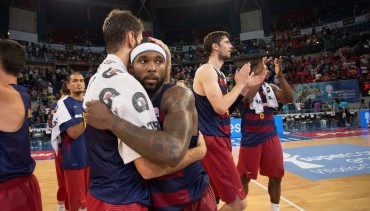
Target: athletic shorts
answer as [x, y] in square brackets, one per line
[206, 202]
[61, 193]
[94, 204]
[266, 157]
[76, 183]
[220, 166]
[20, 194]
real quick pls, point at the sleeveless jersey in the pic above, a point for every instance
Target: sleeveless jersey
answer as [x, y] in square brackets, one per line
[210, 122]
[177, 190]
[257, 128]
[15, 149]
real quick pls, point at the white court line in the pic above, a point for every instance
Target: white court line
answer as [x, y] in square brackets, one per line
[281, 197]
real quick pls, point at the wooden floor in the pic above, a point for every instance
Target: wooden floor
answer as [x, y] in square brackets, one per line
[298, 193]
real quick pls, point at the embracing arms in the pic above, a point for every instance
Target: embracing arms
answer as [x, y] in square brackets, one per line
[165, 147]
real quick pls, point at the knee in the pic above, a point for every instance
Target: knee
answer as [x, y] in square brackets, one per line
[238, 204]
[275, 181]
[243, 204]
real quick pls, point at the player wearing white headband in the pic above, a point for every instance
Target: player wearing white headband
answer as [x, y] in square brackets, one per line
[123, 143]
[144, 47]
[189, 187]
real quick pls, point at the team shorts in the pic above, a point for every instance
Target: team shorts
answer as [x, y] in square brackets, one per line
[20, 193]
[94, 204]
[61, 192]
[220, 166]
[77, 186]
[266, 157]
[206, 202]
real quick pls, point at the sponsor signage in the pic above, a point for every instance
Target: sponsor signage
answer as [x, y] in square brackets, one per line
[327, 91]
[327, 161]
[235, 126]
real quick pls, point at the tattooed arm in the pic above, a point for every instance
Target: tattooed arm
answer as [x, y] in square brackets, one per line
[166, 147]
[149, 169]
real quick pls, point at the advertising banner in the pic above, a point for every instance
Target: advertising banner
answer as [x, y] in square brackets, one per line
[364, 116]
[236, 128]
[327, 91]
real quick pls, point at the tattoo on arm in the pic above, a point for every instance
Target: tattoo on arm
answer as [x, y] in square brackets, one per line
[170, 145]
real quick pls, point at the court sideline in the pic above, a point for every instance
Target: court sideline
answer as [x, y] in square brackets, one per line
[298, 193]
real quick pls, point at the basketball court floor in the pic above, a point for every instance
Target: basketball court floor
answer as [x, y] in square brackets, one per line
[325, 170]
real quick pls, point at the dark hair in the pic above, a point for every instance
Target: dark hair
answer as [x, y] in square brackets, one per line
[116, 27]
[64, 90]
[213, 37]
[12, 56]
[255, 65]
[73, 73]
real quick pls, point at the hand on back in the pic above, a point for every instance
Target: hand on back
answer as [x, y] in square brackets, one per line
[98, 115]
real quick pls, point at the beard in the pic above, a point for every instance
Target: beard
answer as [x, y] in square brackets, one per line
[152, 87]
[224, 56]
[78, 92]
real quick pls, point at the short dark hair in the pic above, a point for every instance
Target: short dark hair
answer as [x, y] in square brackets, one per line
[116, 27]
[64, 90]
[213, 37]
[255, 64]
[73, 73]
[12, 56]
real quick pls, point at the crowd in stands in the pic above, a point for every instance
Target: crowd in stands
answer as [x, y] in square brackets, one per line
[75, 36]
[43, 51]
[347, 62]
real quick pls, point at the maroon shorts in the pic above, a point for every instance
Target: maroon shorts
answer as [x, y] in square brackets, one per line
[266, 157]
[21, 193]
[220, 166]
[94, 204]
[76, 183]
[61, 193]
[206, 202]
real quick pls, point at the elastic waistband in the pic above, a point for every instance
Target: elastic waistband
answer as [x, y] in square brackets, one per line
[15, 182]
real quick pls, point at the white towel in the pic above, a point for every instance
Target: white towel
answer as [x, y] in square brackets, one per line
[61, 115]
[125, 97]
[257, 104]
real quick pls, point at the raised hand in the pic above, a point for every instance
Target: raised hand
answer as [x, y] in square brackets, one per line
[168, 56]
[254, 81]
[242, 74]
[278, 65]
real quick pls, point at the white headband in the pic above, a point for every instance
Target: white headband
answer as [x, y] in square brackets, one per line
[144, 47]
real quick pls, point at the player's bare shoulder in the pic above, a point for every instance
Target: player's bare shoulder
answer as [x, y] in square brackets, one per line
[179, 96]
[203, 69]
[8, 93]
